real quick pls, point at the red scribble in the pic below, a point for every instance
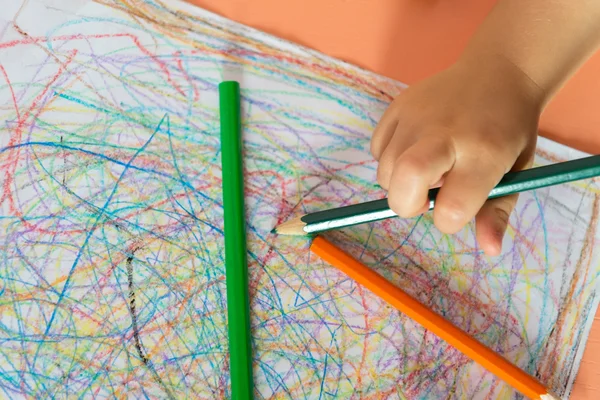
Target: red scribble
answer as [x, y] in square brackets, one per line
[186, 75]
[10, 165]
[12, 92]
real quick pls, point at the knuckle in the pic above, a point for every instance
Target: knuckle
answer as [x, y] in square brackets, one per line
[411, 166]
[497, 159]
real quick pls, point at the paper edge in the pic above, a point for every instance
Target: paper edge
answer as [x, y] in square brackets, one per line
[587, 328]
[288, 44]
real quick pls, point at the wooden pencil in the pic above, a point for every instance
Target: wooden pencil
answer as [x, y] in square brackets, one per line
[511, 183]
[487, 358]
[236, 266]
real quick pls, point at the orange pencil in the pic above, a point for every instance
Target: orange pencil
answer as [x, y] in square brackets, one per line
[486, 357]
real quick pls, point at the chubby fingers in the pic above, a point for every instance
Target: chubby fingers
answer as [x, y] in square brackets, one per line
[384, 131]
[492, 221]
[415, 171]
[466, 189]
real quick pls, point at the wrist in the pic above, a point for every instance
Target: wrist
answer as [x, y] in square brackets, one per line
[499, 74]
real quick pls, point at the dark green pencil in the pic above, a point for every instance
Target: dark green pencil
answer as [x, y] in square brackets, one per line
[236, 267]
[511, 183]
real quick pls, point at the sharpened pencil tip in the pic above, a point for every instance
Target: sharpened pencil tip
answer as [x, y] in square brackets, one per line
[294, 227]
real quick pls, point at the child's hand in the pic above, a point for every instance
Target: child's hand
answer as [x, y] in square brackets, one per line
[469, 125]
[464, 129]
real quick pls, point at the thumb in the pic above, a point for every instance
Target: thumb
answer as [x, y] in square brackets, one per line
[492, 218]
[492, 221]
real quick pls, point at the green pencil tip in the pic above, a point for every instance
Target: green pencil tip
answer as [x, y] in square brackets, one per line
[274, 230]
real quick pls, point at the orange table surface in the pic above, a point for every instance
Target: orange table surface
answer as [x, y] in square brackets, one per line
[411, 39]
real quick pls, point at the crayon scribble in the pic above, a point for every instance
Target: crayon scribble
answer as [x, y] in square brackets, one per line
[111, 261]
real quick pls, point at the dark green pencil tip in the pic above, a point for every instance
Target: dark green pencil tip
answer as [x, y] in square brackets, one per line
[274, 230]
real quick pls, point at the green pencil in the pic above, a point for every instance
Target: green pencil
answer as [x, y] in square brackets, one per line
[236, 267]
[511, 183]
